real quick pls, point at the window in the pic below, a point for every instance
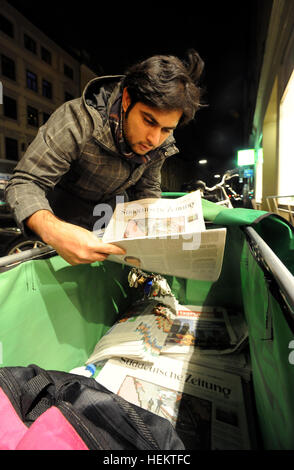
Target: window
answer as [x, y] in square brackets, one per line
[11, 148]
[30, 44]
[6, 26]
[46, 116]
[68, 71]
[32, 116]
[286, 142]
[8, 67]
[47, 89]
[46, 55]
[10, 107]
[32, 81]
[68, 96]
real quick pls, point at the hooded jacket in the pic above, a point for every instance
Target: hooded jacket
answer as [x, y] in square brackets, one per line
[73, 164]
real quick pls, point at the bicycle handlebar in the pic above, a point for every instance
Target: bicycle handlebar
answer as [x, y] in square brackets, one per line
[227, 176]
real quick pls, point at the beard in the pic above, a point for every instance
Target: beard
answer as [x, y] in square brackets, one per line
[125, 128]
[136, 146]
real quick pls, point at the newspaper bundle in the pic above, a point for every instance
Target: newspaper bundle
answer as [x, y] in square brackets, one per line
[140, 334]
[182, 362]
[205, 406]
[167, 236]
[203, 335]
[209, 330]
[209, 336]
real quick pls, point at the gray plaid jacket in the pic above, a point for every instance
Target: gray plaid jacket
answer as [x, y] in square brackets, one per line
[73, 163]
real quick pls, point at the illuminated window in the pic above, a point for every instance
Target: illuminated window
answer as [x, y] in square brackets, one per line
[286, 142]
[246, 157]
[32, 81]
[47, 89]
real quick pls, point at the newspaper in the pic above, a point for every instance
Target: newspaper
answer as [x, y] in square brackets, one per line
[167, 236]
[238, 364]
[205, 406]
[139, 334]
[205, 330]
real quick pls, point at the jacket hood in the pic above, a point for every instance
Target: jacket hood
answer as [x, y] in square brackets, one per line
[101, 92]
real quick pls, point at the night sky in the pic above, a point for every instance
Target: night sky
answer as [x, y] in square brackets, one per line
[117, 36]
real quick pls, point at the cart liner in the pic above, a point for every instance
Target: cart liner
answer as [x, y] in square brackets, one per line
[52, 314]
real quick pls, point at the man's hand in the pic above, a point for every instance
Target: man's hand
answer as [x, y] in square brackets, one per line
[73, 243]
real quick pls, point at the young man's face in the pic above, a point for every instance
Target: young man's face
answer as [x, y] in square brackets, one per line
[146, 128]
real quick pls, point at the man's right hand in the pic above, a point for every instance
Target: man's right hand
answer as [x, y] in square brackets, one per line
[73, 243]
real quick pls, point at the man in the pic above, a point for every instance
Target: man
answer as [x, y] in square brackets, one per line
[110, 142]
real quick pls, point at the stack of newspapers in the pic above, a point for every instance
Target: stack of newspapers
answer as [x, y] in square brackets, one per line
[140, 334]
[195, 372]
[187, 363]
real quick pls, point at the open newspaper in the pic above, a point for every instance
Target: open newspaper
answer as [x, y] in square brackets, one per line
[205, 406]
[167, 236]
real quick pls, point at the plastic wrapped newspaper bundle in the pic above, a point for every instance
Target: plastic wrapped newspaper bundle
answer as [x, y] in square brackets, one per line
[205, 406]
[142, 331]
[210, 330]
[211, 336]
[158, 324]
[139, 334]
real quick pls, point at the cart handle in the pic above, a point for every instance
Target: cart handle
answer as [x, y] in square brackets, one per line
[282, 275]
[26, 255]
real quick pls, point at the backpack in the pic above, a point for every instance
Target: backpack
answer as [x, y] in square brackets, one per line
[54, 410]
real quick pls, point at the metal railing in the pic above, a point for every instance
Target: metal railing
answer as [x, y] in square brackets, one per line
[274, 205]
[282, 275]
[26, 255]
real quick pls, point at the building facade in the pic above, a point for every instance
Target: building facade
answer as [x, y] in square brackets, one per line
[36, 77]
[273, 121]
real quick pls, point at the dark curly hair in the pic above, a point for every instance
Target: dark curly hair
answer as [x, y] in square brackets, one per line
[166, 82]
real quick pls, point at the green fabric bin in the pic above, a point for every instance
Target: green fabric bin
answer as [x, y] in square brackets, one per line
[52, 314]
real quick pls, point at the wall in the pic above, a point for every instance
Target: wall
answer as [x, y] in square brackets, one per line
[278, 63]
[270, 147]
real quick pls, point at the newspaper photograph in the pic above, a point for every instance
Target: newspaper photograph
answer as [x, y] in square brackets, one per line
[205, 330]
[204, 405]
[167, 237]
